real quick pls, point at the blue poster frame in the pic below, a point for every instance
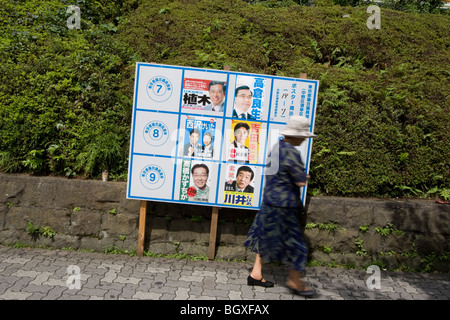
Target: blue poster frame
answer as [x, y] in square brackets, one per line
[137, 174]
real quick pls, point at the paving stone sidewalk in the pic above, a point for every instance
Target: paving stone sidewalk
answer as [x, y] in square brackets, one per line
[38, 274]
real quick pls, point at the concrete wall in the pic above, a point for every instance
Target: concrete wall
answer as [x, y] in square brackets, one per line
[412, 234]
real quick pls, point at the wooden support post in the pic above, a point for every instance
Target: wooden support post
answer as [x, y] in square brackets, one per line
[214, 218]
[303, 76]
[213, 233]
[141, 232]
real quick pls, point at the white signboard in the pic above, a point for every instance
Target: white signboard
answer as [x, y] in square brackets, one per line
[201, 136]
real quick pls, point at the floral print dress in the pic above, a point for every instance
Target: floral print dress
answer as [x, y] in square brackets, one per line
[275, 232]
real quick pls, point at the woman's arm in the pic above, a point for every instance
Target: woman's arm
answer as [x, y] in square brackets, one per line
[303, 183]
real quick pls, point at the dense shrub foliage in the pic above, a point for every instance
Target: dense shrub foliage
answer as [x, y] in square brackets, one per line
[62, 107]
[383, 110]
[413, 6]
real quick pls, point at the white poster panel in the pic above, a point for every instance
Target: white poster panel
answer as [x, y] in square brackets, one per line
[154, 133]
[158, 88]
[152, 178]
[293, 98]
[203, 137]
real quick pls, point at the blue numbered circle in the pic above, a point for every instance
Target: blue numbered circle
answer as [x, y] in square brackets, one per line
[156, 133]
[159, 88]
[152, 177]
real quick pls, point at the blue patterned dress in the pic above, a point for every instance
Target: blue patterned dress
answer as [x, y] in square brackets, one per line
[275, 232]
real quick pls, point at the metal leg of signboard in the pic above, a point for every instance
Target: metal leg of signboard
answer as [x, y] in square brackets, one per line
[141, 232]
[213, 233]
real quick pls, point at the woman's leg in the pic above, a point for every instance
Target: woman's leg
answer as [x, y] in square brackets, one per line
[257, 268]
[295, 281]
[256, 278]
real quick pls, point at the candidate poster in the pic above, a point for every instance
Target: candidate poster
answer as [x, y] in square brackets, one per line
[199, 137]
[239, 187]
[244, 141]
[196, 181]
[202, 136]
[199, 95]
[249, 96]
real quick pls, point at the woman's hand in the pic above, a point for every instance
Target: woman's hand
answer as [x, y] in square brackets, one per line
[303, 183]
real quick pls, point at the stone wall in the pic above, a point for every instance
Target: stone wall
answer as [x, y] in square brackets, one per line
[95, 215]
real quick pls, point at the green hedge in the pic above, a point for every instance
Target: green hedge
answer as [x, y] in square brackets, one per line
[63, 107]
[412, 6]
[383, 108]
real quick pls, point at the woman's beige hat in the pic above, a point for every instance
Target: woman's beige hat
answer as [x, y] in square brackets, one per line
[298, 127]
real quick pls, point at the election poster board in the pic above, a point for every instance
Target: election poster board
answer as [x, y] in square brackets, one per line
[202, 136]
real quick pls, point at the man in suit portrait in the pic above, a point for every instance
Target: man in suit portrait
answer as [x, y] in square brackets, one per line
[200, 173]
[244, 176]
[242, 103]
[193, 148]
[217, 95]
[238, 151]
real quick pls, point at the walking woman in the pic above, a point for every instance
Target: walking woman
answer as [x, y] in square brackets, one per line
[275, 234]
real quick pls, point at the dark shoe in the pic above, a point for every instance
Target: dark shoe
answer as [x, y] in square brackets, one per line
[303, 293]
[261, 283]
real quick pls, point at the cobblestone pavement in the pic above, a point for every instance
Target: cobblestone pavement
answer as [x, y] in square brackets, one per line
[38, 274]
